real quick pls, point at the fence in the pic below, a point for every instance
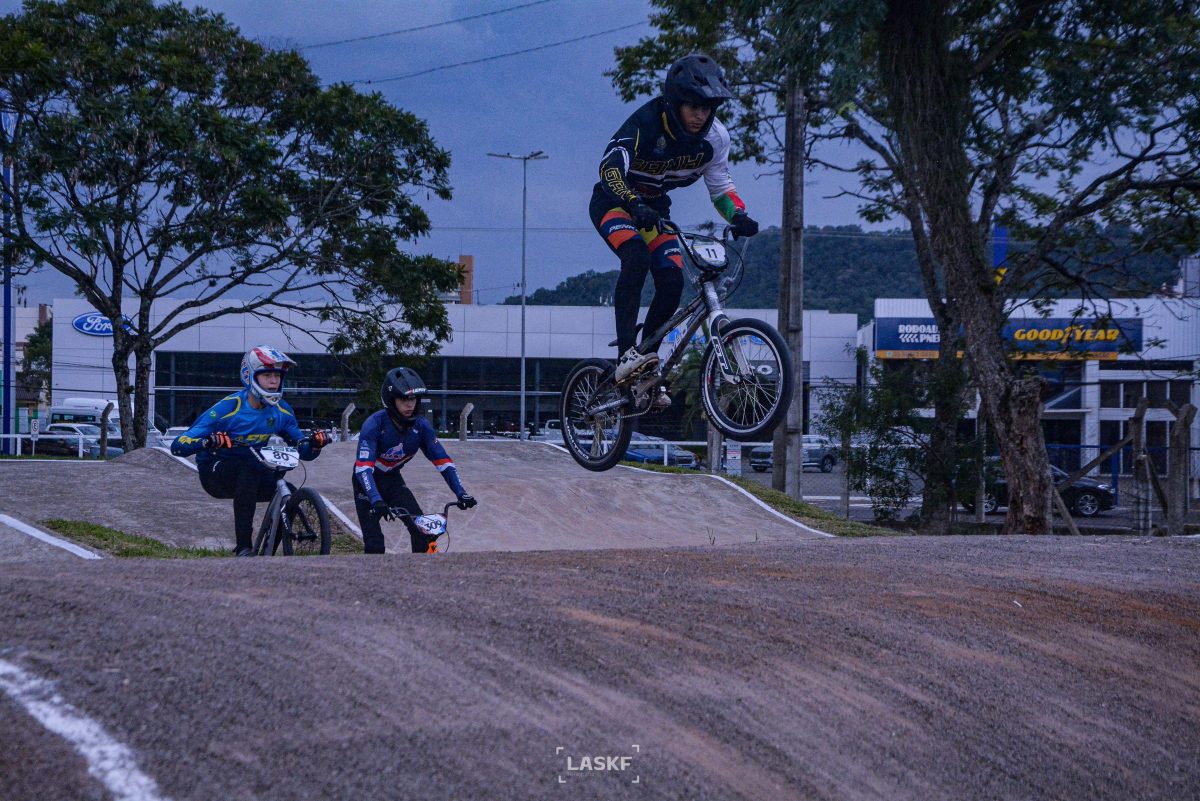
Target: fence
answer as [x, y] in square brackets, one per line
[14, 444]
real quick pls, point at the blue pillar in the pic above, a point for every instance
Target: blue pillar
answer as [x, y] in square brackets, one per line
[8, 401]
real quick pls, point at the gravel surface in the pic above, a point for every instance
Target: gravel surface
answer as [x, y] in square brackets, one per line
[895, 668]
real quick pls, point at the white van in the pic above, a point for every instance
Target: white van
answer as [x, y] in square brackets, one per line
[91, 410]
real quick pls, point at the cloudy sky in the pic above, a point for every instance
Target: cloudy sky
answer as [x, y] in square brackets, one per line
[555, 99]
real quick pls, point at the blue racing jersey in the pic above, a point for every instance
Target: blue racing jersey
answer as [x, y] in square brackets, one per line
[246, 426]
[382, 448]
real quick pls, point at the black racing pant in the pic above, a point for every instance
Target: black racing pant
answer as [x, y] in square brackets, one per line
[395, 493]
[247, 482]
[640, 252]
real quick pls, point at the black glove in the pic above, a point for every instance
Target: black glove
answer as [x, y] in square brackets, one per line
[319, 439]
[465, 501]
[743, 225]
[644, 217]
[216, 440]
[381, 510]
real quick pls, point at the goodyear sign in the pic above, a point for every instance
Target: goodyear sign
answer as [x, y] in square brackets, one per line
[1052, 338]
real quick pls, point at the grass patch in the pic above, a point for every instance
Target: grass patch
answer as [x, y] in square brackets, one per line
[784, 504]
[118, 543]
[342, 544]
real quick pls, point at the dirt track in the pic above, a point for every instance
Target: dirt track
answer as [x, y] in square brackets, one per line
[532, 497]
[905, 668]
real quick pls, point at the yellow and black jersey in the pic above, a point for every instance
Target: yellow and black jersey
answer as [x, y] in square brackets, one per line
[649, 156]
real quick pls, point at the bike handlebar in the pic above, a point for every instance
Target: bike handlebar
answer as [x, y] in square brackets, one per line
[400, 511]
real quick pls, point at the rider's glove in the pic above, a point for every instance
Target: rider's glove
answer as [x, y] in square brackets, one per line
[381, 510]
[319, 440]
[644, 217]
[218, 439]
[743, 225]
[465, 501]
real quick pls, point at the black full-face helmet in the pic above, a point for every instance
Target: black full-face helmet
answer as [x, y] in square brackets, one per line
[401, 382]
[695, 79]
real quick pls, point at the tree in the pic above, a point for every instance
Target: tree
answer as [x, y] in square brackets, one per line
[159, 154]
[1058, 119]
[38, 358]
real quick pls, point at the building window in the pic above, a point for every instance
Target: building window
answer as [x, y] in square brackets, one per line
[1110, 394]
[1181, 392]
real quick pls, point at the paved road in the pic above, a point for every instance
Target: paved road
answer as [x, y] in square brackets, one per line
[825, 490]
[895, 668]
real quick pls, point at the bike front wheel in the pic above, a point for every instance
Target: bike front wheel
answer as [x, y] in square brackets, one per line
[267, 541]
[594, 427]
[753, 397]
[307, 531]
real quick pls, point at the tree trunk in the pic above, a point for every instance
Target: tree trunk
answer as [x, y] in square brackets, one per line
[141, 393]
[120, 364]
[928, 88]
[788, 440]
[949, 390]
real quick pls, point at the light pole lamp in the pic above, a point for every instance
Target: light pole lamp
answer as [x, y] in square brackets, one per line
[536, 155]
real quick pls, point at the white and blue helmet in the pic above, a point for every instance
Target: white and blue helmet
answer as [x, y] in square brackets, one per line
[264, 359]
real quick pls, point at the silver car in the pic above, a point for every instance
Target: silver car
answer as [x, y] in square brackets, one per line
[819, 452]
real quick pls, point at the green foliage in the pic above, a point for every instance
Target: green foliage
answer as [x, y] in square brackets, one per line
[39, 358]
[162, 154]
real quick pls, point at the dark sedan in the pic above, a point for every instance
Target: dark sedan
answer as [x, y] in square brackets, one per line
[1087, 497]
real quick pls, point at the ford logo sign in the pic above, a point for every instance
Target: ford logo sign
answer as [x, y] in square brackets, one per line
[94, 324]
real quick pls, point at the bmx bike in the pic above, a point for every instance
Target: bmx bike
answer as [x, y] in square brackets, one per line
[436, 526]
[298, 521]
[746, 373]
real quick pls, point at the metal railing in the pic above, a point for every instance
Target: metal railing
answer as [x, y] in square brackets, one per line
[18, 439]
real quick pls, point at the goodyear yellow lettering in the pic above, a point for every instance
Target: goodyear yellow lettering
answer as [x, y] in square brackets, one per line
[256, 437]
[1112, 334]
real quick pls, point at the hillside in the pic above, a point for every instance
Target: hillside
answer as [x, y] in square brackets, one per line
[845, 270]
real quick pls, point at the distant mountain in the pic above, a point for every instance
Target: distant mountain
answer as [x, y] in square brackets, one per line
[845, 270]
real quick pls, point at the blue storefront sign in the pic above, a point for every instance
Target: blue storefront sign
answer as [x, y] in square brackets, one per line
[1050, 338]
[95, 324]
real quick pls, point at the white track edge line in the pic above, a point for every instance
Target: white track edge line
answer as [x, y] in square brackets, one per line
[726, 481]
[355, 530]
[49, 539]
[108, 760]
[167, 451]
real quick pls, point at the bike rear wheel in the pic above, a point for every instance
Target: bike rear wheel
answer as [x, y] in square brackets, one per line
[754, 399]
[596, 440]
[307, 532]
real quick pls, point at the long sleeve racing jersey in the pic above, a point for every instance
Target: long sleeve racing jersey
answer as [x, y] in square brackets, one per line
[382, 448]
[647, 157]
[246, 426]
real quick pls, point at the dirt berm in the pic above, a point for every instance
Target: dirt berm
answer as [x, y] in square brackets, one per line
[531, 497]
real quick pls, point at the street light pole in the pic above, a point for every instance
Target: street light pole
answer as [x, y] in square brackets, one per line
[536, 155]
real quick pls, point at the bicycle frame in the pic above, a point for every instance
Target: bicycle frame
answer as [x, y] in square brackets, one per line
[278, 505]
[706, 309]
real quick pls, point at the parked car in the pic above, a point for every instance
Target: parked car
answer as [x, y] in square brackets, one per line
[819, 452]
[644, 448]
[62, 439]
[1087, 497]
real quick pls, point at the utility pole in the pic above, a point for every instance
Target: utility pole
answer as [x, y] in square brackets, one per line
[788, 441]
[536, 155]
